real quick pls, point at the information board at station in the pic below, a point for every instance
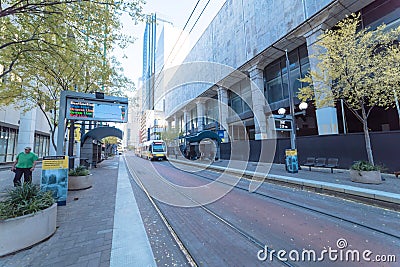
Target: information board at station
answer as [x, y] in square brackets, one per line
[92, 110]
[55, 177]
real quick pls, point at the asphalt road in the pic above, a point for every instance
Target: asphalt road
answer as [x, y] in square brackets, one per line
[221, 225]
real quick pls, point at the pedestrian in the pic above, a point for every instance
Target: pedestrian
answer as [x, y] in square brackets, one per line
[24, 164]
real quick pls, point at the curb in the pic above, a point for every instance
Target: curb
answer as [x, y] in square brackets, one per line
[376, 196]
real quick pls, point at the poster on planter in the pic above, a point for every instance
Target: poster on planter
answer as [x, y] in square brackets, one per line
[55, 177]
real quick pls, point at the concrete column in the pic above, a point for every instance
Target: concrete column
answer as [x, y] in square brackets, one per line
[200, 104]
[169, 125]
[326, 115]
[186, 116]
[176, 123]
[258, 99]
[223, 110]
[26, 131]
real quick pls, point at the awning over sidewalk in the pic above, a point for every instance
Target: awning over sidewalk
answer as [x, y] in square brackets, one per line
[101, 132]
[202, 135]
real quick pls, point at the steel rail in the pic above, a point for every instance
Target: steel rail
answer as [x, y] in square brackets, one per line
[235, 228]
[175, 236]
[296, 204]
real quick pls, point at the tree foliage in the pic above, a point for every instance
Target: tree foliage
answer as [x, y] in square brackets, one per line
[111, 140]
[358, 66]
[50, 46]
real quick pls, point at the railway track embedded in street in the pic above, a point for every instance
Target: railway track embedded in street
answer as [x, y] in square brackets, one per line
[301, 206]
[191, 259]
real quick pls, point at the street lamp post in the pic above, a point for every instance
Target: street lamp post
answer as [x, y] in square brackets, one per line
[291, 104]
[291, 160]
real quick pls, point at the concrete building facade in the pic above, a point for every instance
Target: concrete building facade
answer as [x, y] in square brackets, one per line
[243, 49]
[19, 129]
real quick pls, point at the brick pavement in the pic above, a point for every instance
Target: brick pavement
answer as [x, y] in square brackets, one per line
[339, 176]
[84, 226]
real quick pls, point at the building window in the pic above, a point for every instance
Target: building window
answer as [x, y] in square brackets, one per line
[240, 99]
[8, 143]
[212, 112]
[276, 88]
[381, 11]
[192, 126]
[42, 145]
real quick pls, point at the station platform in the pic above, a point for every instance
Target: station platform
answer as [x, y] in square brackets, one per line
[99, 226]
[318, 179]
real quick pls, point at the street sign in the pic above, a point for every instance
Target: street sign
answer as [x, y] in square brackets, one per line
[221, 135]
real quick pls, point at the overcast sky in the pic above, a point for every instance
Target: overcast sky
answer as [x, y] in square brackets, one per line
[175, 11]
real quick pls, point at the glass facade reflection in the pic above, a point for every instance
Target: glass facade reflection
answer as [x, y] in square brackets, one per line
[275, 74]
[8, 143]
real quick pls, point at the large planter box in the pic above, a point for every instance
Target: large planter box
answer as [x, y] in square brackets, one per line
[366, 177]
[79, 182]
[24, 231]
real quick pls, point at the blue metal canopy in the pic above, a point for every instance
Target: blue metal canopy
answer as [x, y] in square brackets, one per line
[202, 135]
[101, 132]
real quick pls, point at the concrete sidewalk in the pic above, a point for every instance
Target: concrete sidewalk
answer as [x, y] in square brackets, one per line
[95, 228]
[319, 179]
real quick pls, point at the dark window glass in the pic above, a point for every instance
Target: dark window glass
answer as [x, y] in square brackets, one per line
[285, 87]
[273, 70]
[303, 54]
[158, 148]
[236, 105]
[274, 90]
[380, 11]
[283, 65]
[276, 85]
[294, 81]
[293, 59]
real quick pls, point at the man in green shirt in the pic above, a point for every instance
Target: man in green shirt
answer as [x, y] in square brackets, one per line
[24, 164]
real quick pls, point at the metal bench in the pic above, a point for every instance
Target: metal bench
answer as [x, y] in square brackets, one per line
[310, 162]
[322, 163]
[332, 163]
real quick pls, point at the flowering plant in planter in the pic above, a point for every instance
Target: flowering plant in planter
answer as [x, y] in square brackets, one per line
[79, 171]
[23, 200]
[365, 172]
[365, 166]
[79, 178]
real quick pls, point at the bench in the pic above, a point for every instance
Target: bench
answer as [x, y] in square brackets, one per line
[322, 163]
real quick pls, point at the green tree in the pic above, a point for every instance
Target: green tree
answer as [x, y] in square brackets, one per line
[111, 140]
[351, 66]
[47, 47]
[26, 25]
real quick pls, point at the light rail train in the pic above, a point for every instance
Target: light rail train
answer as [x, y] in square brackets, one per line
[153, 150]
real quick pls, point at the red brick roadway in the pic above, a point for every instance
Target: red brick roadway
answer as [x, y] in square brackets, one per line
[278, 225]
